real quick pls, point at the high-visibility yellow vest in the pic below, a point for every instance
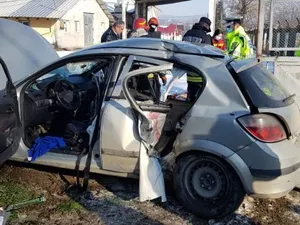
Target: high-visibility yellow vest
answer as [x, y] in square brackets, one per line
[151, 76]
[194, 78]
[239, 44]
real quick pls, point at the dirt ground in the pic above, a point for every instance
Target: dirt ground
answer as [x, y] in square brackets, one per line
[113, 200]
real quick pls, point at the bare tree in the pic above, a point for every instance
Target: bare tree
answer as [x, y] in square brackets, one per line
[248, 9]
[286, 14]
[220, 14]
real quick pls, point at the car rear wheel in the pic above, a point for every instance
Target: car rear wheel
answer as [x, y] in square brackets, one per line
[207, 186]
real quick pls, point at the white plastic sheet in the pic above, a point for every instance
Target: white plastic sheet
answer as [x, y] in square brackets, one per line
[151, 177]
[151, 180]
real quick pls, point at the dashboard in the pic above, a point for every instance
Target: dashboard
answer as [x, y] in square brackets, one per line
[46, 97]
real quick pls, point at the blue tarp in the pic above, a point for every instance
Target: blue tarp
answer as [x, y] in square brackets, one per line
[43, 145]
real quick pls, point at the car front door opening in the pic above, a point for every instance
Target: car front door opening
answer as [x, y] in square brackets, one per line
[64, 103]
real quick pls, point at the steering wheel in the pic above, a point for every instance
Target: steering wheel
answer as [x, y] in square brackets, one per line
[67, 95]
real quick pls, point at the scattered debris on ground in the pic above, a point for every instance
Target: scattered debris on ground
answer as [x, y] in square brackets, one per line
[113, 200]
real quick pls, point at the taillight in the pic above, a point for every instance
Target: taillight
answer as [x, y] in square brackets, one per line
[263, 127]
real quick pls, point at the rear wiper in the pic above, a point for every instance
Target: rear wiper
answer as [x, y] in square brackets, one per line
[289, 98]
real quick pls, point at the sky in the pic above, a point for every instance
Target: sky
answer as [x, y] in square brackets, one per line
[190, 8]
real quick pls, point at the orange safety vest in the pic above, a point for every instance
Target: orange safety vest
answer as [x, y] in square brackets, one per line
[219, 44]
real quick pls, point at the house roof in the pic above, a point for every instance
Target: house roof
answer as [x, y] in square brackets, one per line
[106, 10]
[41, 8]
[159, 2]
[34, 8]
[171, 29]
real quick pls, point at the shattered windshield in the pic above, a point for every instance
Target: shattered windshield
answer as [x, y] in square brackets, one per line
[69, 70]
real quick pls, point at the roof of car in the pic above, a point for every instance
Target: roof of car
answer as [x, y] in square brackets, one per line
[162, 45]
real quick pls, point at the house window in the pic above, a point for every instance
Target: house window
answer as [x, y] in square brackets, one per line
[67, 25]
[76, 26]
[25, 22]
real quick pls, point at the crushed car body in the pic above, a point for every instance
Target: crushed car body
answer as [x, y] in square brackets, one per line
[239, 136]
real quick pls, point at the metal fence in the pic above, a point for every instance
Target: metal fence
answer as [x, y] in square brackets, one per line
[284, 24]
[281, 36]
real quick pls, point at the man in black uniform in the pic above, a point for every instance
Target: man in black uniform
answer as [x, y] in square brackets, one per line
[197, 35]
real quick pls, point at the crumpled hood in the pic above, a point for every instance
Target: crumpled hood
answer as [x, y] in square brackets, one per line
[23, 50]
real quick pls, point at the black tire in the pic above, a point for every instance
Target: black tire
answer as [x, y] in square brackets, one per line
[207, 186]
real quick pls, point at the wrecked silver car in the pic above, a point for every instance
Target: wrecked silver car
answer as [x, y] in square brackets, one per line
[239, 136]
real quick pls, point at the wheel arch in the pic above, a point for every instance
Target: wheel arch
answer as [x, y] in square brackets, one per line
[220, 160]
[233, 160]
[207, 146]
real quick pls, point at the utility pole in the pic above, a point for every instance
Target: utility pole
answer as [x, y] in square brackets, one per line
[212, 13]
[260, 30]
[124, 10]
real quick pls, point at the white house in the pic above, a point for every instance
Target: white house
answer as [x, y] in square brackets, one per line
[68, 24]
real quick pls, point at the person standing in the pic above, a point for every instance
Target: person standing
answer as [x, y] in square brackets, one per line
[153, 24]
[140, 31]
[114, 32]
[199, 33]
[140, 28]
[239, 43]
[218, 40]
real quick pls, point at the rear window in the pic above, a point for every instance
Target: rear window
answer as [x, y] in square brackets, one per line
[263, 88]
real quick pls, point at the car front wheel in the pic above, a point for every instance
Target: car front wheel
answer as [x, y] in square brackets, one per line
[207, 186]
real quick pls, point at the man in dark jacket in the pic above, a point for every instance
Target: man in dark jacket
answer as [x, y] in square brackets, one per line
[198, 34]
[113, 33]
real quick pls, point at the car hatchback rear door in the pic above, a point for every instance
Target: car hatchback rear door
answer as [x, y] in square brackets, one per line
[10, 132]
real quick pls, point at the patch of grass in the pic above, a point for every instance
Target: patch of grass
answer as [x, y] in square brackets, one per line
[13, 216]
[69, 206]
[11, 193]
